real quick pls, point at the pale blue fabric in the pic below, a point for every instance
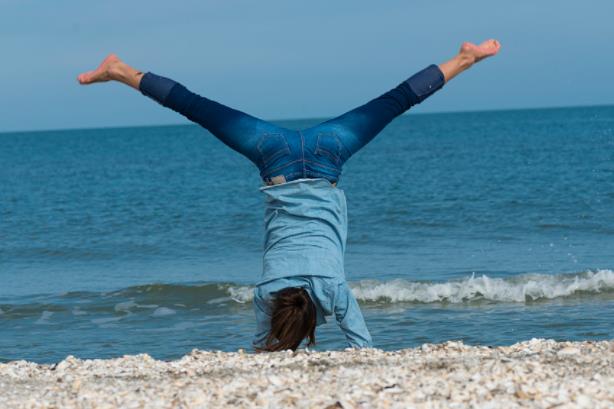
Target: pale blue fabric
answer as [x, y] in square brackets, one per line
[305, 225]
[306, 231]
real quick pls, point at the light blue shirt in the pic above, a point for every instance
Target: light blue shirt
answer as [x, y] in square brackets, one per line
[305, 235]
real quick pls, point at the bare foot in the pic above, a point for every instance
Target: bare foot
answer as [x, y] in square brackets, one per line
[101, 74]
[478, 52]
[468, 55]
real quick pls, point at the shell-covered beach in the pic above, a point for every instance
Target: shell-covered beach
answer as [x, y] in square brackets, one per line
[532, 374]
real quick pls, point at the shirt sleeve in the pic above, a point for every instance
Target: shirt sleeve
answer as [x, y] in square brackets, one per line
[350, 319]
[263, 320]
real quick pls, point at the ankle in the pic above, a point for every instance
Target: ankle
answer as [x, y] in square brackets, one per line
[465, 60]
[116, 70]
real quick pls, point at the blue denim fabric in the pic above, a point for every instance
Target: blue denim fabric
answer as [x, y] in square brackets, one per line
[316, 152]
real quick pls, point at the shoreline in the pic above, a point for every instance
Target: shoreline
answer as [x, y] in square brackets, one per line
[534, 374]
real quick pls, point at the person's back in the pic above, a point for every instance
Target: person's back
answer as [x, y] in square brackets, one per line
[305, 230]
[303, 271]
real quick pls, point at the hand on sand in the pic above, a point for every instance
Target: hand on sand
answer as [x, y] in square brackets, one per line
[478, 52]
[101, 74]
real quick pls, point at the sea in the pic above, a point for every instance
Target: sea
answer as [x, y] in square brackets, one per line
[486, 227]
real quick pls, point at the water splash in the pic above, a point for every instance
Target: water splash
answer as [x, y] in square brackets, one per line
[44, 318]
[520, 289]
[163, 312]
[523, 288]
[156, 299]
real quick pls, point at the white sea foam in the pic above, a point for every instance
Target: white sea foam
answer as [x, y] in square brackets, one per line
[78, 311]
[222, 300]
[241, 294]
[151, 306]
[44, 318]
[521, 288]
[124, 306]
[163, 312]
[101, 321]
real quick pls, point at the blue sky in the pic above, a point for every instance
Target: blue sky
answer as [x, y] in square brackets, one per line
[280, 59]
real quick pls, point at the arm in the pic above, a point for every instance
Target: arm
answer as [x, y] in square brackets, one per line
[263, 320]
[350, 319]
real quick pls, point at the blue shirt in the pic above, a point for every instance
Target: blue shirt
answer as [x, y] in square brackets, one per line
[305, 236]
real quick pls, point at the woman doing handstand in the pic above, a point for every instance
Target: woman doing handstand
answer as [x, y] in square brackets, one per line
[303, 277]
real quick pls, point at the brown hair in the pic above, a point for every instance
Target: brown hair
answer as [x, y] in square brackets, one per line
[293, 318]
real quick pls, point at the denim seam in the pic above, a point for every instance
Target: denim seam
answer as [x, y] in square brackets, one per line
[321, 164]
[289, 176]
[283, 150]
[431, 76]
[166, 97]
[145, 85]
[337, 129]
[309, 175]
[336, 158]
[268, 171]
[283, 166]
[334, 174]
[321, 175]
[293, 174]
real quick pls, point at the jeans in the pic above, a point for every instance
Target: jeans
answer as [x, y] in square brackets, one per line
[281, 154]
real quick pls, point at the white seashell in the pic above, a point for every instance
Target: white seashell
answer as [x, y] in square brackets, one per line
[432, 376]
[568, 351]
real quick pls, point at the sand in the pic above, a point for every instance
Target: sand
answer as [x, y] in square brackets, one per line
[531, 374]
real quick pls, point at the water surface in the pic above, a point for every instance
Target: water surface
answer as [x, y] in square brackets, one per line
[489, 227]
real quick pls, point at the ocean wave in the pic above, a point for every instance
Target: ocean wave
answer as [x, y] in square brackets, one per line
[519, 289]
[44, 318]
[163, 312]
[168, 299]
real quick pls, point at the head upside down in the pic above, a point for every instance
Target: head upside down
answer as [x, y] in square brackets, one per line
[293, 318]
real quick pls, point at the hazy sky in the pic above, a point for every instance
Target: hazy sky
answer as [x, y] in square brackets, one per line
[286, 59]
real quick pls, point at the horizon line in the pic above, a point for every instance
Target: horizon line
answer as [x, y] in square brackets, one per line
[310, 118]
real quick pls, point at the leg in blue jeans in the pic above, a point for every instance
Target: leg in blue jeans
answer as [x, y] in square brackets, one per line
[243, 132]
[319, 151]
[359, 126]
[236, 129]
